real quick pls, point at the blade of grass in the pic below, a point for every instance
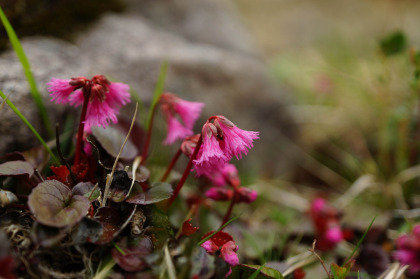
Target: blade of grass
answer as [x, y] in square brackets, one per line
[121, 251]
[221, 228]
[255, 274]
[23, 118]
[360, 241]
[103, 273]
[158, 91]
[20, 53]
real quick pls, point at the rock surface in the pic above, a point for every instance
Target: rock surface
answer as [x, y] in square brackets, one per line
[210, 59]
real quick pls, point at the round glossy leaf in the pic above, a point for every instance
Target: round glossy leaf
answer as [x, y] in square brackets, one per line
[133, 258]
[112, 139]
[159, 191]
[53, 204]
[87, 190]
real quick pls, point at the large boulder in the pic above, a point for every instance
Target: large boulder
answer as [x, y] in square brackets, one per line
[210, 57]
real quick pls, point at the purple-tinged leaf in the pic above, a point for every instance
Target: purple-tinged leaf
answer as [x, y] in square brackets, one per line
[16, 168]
[135, 251]
[53, 204]
[159, 191]
[86, 189]
[112, 139]
[113, 221]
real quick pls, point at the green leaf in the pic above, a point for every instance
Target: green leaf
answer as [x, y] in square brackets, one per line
[394, 43]
[360, 241]
[53, 204]
[339, 272]
[158, 91]
[28, 73]
[247, 271]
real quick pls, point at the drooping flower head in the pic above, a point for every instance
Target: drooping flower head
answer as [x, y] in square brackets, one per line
[326, 220]
[224, 242]
[228, 175]
[188, 112]
[221, 140]
[105, 97]
[408, 250]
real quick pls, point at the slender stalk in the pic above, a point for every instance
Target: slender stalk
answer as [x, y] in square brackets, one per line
[186, 172]
[171, 165]
[79, 143]
[60, 154]
[23, 118]
[148, 136]
[229, 211]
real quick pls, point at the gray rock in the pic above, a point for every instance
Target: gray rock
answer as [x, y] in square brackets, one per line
[210, 60]
[49, 58]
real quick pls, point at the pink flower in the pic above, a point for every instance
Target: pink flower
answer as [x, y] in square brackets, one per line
[219, 194]
[210, 157]
[188, 112]
[228, 175]
[221, 140]
[408, 249]
[105, 98]
[246, 195]
[236, 141]
[224, 242]
[326, 220]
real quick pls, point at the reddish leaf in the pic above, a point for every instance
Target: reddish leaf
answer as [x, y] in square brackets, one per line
[132, 260]
[16, 168]
[188, 229]
[6, 268]
[53, 204]
[112, 221]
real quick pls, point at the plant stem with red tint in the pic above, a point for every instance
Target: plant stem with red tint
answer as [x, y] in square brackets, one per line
[171, 165]
[186, 172]
[79, 143]
[229, 211]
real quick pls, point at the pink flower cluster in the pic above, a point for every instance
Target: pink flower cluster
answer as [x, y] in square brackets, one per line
[221, 141]
[188, 112]
[224, 242]
[229, 177]
[408, 250]
[105, 97]
[326, 220]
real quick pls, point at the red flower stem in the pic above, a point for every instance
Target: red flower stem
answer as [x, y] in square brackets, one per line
[186, 172]
[79, 143]
[171, 165]
[229, 212]
[148, 136]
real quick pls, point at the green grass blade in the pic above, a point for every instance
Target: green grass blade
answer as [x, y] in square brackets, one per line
[255, 274]
[221, 228]
[361, 240]
[20, 53]
[12, 106]
[158, 91]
